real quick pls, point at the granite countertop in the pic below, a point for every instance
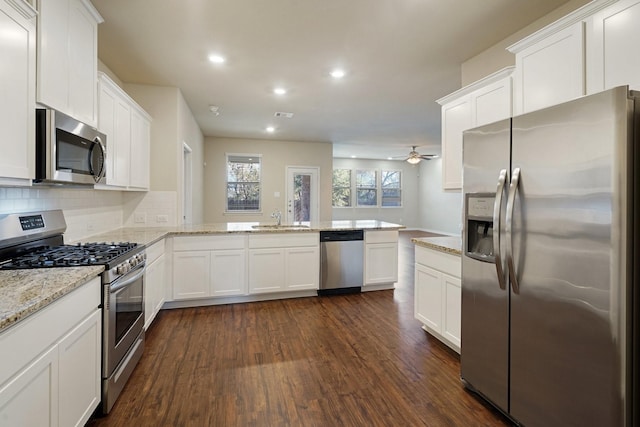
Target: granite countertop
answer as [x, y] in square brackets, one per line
[448, 244]
[23, 292]
[148, 236]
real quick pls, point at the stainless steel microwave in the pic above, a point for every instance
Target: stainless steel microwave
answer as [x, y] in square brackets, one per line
[68, 151]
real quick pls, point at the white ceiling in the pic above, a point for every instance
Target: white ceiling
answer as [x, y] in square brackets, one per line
[399, 56]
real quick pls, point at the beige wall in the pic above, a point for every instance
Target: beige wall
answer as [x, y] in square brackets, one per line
[497, 57]
[173, 123]
[276, 156]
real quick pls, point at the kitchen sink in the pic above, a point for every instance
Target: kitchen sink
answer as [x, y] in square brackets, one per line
[279, 227]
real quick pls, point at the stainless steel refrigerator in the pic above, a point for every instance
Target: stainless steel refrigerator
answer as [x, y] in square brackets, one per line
[550, 263]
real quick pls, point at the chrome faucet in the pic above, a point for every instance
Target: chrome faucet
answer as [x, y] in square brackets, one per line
[277, 215]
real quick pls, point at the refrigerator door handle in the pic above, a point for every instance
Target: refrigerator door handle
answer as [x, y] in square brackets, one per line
[511, 199]
[497, 211]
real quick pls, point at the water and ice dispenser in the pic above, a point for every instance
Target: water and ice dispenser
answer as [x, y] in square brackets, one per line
[478, 218]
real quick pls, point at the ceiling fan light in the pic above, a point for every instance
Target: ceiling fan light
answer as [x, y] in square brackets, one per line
[413, 160]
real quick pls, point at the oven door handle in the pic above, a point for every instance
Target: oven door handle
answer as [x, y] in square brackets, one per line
[128, 281]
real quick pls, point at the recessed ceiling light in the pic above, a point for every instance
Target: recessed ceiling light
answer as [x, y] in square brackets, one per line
[270, 129]
[337, 73]
[389, 158]
[353, 157]
[279, 91]
[217, 59]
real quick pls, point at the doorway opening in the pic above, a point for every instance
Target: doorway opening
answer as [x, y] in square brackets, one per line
[187, 184]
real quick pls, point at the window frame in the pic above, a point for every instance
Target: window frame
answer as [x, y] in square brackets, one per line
[350, 188]
[399, 188]
[248, 156]
[375, 188]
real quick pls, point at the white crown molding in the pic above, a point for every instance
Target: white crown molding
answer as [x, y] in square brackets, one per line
[93, 11]
[22, 7]
[487, 80]
[562, 23]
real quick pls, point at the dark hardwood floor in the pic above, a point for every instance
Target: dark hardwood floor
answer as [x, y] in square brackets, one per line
[350, 360]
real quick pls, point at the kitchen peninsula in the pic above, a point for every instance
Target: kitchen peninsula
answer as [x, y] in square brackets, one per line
[223, 263]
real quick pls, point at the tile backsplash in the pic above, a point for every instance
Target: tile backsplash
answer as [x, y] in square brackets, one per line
[88, 212]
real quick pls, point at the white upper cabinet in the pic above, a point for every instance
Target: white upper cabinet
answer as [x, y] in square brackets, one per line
[17, 86]
[551, 64]
[613, 36]
[68, 57]
[485, 101]
[550, 71]
[128, 130]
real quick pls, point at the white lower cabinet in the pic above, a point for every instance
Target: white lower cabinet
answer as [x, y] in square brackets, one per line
[154, 282]
[380, 258]
[284, 262]
[51, 363]
[208, 266]
[79, 359]
[438, 294]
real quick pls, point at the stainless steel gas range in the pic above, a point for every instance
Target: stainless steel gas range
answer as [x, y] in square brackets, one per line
[35, 240]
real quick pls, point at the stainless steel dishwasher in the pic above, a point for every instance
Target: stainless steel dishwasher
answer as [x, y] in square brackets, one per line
[341, 261]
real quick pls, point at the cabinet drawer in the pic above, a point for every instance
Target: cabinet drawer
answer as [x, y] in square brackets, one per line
[387, 236]
[446, 263]
[284, 240]
[205, 243]
[155, 251]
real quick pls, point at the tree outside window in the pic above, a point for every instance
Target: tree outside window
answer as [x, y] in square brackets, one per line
[390, 182]
[366, 188]
[341, 195]
[243, 183]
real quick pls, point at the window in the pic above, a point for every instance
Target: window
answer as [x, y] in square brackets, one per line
[243, 183]
[341, 188]
[370, 191]
[390, 183]
[366, 188]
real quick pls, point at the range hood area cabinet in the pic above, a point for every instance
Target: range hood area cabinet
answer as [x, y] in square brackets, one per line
[67, 51]
[18, 85]
[128, 130]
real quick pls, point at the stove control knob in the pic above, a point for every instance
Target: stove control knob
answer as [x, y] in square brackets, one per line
[122, 268]
[133, 262]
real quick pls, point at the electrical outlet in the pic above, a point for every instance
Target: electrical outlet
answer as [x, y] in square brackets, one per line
[90, 227]
[162, 218]
[139, 217]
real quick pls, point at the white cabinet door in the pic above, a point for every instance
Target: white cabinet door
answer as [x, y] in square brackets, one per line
[31, 397]
[492, 102]
[456, 118]
[613, 36]
[302, 268]
[114, 120]
[53, 64]
[68, 58]
[228, 273]
[428, 297]
[550, 71]
[17, 86]
[154, 284]
[452, 308]
[121, 144]
[266, 270]
[381, 263]
[191, 274]
[83, 63]
[80, 356]
[140, 144]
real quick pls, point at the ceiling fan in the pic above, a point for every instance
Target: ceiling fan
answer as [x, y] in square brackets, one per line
[414, 157]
